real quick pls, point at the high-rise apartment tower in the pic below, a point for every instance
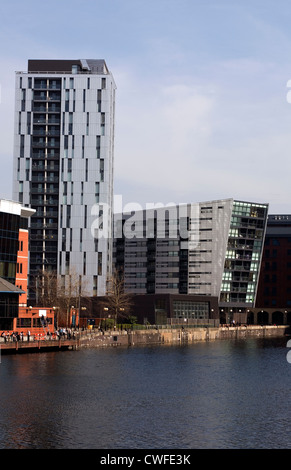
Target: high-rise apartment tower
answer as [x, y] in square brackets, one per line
[63, 167]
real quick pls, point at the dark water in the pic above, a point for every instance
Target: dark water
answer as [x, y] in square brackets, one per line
[223, 394]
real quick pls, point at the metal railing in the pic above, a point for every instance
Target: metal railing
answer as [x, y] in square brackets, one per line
[210, 323]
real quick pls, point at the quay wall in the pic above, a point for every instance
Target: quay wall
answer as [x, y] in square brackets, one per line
[177, 335]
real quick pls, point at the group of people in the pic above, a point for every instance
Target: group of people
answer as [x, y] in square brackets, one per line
[61, 333]
[65, 333]
[14, 336]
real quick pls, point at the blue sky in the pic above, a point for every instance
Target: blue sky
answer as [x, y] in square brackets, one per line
[201, 109]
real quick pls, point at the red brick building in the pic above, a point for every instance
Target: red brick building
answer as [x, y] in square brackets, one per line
[274, 288]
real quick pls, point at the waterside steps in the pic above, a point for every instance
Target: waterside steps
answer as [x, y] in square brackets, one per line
[38, 345]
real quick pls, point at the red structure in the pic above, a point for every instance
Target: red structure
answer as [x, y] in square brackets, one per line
[85, 320]
[274, 288]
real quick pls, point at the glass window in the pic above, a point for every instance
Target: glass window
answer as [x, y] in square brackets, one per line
[191, 309]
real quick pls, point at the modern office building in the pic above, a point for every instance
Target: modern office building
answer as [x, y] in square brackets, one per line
[206, 249]
[63, 167]
[274, 289]
[13, 224]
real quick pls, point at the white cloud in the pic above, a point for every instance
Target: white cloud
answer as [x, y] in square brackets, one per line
[213, 138]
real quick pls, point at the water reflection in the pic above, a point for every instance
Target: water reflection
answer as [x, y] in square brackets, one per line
[223, 394]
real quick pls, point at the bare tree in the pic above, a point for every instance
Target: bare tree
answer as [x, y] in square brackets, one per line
[69, 293]
[52, 292]
[117, 300]
[45, 287]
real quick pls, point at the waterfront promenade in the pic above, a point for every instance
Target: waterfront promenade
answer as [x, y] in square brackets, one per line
[157, 335]
[37, 344]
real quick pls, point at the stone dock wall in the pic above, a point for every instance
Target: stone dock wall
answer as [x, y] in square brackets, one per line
[160, 336]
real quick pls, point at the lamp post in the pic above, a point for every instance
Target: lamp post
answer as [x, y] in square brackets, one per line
[82, 309]
[121, 310]
[56, 309]
[72, 312]
[79, 307]
[105, 310]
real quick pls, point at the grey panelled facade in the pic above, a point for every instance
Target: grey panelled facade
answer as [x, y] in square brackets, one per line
[63, 166]
[205, 249]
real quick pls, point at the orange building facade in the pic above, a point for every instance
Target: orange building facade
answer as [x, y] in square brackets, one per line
[21, 279]
[36, 320]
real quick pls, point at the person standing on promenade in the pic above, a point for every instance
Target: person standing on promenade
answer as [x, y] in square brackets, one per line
[28, 335]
